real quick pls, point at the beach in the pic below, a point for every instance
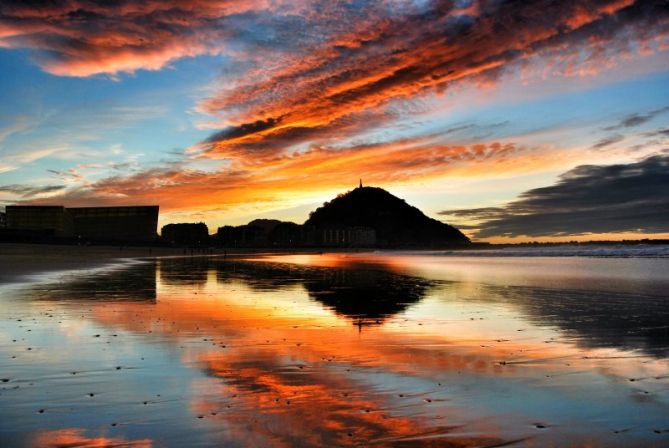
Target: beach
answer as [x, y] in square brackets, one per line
[335, 349]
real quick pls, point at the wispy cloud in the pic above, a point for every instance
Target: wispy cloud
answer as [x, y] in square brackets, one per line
[16, 125]
[608, 141]
[283, 180]
[662, 132]
[12, 162]
[67, 133]
[28, 191]
[636, 119]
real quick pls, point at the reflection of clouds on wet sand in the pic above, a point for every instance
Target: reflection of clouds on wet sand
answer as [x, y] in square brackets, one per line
[284, 357]
[75, 437]
[305, 405]
[275, 357]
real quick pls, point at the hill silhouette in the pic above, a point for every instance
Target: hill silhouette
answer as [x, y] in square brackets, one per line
[396, 222]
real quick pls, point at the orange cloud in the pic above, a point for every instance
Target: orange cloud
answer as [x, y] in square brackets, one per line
[354, 75]
[83, 38]
[290, 179]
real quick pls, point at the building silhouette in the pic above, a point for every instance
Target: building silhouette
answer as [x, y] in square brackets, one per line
[112, 224]
[188, 234]
[289, 234]
[347, 236]
[46, 220]
[135, 223]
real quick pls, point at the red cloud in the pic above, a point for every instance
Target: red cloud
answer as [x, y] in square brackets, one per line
[338, 85]
[85, 37]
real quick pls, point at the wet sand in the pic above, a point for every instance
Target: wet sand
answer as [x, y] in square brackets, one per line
[21, 262]
[339, 350]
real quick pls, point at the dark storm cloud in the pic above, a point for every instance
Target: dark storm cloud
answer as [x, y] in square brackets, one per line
[477, 213]
[588, 199]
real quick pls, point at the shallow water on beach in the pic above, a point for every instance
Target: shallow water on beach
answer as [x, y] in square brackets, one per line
[340, 350]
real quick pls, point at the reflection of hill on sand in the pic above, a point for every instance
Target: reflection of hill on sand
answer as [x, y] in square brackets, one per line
[366, 294]
[357, 291]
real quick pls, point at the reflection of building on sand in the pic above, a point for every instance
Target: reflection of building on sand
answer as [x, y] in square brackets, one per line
[134, 284]
[187, 271]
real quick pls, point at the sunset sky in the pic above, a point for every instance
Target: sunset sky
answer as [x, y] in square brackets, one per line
[514, 120]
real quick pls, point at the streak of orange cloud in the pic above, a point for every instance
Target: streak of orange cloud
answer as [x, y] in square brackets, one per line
[290, 179]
